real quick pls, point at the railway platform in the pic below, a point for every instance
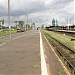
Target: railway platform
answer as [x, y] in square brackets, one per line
[22, 56]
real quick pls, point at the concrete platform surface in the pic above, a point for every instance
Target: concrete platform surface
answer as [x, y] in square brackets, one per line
[21, 56]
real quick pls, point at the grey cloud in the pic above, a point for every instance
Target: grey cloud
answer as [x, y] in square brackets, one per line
[58, 4]
[30, 8]
[23, 7]
[33, 7]
[66, 1]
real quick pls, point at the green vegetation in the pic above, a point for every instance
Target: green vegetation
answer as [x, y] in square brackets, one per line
[36, 66]
[61, 38]
[5, 32]
[60, 72]
[2, 21]
[21, 24]
[51, 36]
[28, 26]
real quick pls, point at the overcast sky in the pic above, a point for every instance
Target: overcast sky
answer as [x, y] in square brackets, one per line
[38, 10]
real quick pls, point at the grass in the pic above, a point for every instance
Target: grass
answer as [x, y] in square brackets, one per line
[36, 66]
[61, 38]
[5, 32]
[60, 72]
[1, 42]
[66, 41]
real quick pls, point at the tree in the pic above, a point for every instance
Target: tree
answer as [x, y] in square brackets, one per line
[28, 26]
[16, 24]
[21, 23]
[1, 23]
[33, 25]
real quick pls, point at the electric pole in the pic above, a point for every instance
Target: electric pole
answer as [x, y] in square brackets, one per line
[9, 18]
[68, 22]
[27, 22]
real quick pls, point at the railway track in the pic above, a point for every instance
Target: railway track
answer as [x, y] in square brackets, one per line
[66, 54]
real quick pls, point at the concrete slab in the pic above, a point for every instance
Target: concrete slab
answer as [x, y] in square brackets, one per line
[21, 56]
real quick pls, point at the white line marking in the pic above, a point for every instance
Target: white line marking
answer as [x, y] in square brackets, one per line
[2, 44]
[18, 37]
[65, 69]
[13, 39]
[43, 61]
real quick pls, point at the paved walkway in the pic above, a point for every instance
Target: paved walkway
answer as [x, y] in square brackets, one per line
[21, 56]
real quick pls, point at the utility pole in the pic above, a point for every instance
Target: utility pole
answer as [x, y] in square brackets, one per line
[68, 22]
[27, 22]
[9, 19]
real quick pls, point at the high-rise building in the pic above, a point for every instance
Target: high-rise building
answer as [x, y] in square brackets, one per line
[53, 22]
[56, 22]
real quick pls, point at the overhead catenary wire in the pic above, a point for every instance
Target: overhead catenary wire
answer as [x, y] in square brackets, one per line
[56, 4]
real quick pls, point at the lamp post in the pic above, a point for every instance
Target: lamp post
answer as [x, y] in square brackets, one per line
[27, 22]
[9, 18]
[68, 23]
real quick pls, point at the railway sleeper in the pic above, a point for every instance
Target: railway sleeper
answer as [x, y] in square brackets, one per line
[65, 61]
[67, 64]
[65, 58]
[62, 44]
